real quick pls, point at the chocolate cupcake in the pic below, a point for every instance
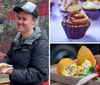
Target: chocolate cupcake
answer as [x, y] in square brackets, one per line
[92, 9]
[75, 25]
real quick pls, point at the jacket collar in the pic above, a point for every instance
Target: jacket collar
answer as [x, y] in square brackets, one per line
[36, 34]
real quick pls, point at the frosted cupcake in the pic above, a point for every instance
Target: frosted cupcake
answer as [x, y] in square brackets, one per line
[51, 3]
[92, 9]
[82, 0]
[68, 6]
[75, 25]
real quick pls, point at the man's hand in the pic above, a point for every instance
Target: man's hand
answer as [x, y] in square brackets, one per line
[2, 55]
[9, 72]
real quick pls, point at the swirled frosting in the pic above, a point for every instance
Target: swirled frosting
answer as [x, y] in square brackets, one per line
[91, 5]
[70, 5]
[76, 18]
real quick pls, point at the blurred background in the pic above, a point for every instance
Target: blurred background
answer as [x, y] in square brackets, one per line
[60, 51]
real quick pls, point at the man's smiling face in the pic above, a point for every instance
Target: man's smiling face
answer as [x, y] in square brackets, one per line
[24, 21]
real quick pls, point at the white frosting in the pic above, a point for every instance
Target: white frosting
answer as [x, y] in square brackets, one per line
[62, 8]
[91, 5]
[66, 5]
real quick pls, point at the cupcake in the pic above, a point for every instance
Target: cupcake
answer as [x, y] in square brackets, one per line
[92, 9]
[75, 25]
[82, 0]
[51, 4]
[68, 6]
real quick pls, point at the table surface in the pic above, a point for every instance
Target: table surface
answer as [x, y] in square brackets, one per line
[57, 33]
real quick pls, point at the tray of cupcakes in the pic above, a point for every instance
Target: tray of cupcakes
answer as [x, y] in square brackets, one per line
[75, 17]
[83, 71]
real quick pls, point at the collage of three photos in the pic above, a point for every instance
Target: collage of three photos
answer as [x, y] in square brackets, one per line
[49, 42]
[75, 42]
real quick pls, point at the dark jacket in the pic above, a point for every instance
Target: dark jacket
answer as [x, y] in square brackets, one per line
[29, 59]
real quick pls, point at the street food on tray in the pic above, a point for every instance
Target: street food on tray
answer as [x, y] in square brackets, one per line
[70, 6]
[83, 66]
[75, 25]
[4, 65]
[68, 67]
[92, 9]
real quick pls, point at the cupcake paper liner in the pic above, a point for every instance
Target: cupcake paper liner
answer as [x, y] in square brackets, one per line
[73, 32]
[93, 14]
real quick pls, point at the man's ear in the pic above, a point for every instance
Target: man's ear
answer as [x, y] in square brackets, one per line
[35, 20]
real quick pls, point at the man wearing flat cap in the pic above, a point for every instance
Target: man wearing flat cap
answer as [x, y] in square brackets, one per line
[29, 50]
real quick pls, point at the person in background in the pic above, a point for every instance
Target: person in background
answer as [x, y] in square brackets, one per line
[29, 50]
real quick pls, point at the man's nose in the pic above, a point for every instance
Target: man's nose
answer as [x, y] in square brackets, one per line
[20, 21]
